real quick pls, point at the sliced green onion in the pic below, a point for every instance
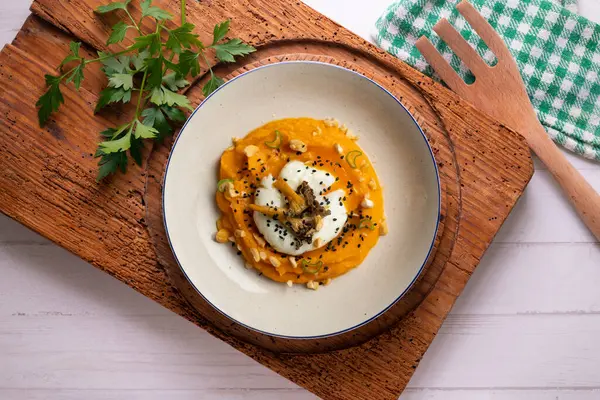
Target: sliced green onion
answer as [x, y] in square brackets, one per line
[222, 183]
[366, 223]
[275, 143]
[352, 156]
[316, 267]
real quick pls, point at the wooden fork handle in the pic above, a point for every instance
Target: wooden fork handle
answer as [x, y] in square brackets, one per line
[580, 193]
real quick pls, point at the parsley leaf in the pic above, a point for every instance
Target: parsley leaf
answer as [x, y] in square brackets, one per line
[114, 65]
[139, 60]
[51, 100]
[112, 95]
[235, 47]
[116, 145]
[118, 33]
[213, 84]
[110, 163]
[188, 63]
[173, 113]
[108, 132]
[113, 6]
[175, 99]
[144, 131]
[174, 82]
[182, 37]
[121, 80]
[73, 54]
[157, 13]
[136, 150]
[74, 47]
[220, 31]
[155, 118]
[158, 105]
[155, 72]
[161, 95]
[76, 76]
[172, 66]
[151, 42]
[68, 59]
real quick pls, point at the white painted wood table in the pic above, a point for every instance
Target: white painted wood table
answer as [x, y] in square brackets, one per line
[526, 327]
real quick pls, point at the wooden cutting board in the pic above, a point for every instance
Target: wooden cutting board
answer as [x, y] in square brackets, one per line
[47, 180]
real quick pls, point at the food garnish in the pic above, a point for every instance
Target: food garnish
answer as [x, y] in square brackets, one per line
[296, 202]
[144, 72]
[275, 143]
[366, 223]
[352, 156]
[298, 145]
[293, 261]
[255, 254]
[251, 150]
[367, 202]
[303, 213]
[383, 228]
[223, 184]
[311, 268]
[222, 236]
[274, 261]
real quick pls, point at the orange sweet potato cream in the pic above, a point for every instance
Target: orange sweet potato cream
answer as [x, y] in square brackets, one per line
[321, 144]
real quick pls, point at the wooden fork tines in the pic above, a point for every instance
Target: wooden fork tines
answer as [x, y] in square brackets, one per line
[499, 91]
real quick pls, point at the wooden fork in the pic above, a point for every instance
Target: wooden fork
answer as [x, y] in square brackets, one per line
[500, 92]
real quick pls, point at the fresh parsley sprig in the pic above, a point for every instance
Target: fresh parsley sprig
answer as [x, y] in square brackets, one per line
[151, 71]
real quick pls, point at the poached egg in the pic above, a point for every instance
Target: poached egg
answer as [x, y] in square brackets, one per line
[278, 235]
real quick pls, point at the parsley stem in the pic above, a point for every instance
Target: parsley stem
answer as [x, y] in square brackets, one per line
[139, 103]
[182, 12]
[207, 63]
[111, 55]
[132, 20]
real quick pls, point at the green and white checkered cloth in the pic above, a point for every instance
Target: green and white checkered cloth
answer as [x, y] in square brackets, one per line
[557, 51]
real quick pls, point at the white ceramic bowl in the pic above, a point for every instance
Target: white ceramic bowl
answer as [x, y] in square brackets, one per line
[392, 140]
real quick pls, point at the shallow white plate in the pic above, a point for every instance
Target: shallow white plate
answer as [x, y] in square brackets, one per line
[392, 140]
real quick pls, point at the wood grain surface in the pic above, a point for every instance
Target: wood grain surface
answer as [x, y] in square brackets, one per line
[99, 222]
[68, 331]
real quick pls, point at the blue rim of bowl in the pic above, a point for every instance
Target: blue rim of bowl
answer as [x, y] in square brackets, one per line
[417, 275]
